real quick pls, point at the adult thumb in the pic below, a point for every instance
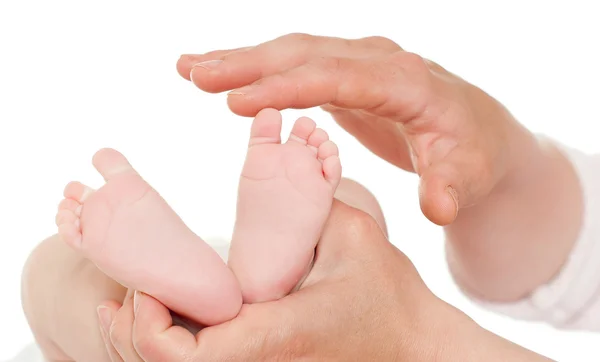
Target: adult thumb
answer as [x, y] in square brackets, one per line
[455, 182]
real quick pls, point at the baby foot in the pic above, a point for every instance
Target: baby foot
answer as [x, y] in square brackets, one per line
[127, 229]
[285, 195]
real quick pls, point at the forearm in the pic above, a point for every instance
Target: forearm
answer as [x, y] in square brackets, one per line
[521, 235]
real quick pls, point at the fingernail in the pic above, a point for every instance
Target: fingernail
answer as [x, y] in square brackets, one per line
[454, 196]
[187, 56]
[209, 64]
[136, 302]
[105, 316]
[241, 91]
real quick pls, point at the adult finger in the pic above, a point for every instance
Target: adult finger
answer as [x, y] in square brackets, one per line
[121, 331]
[106, 314]
[187, 61]
[453, 183]
[154, 336]
[396, 86]
[237, 69]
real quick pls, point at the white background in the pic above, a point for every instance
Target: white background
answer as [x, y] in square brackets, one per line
[77, 76]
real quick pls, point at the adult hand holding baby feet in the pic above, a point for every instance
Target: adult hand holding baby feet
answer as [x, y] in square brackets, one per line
[129, 231]
[407, 110]
[362, 301]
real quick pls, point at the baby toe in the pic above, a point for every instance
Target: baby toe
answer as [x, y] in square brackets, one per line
[302, 129]
[317, 138]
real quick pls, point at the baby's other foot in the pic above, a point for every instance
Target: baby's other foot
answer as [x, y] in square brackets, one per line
[285, 195]
[128, 230]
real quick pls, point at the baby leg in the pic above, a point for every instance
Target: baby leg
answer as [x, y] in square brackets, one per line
[60, 294]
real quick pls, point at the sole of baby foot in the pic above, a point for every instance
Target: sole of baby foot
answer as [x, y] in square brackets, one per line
[130, 232]
[285, 195]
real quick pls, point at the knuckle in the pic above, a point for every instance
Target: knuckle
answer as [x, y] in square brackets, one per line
[358, 224]
[412, 62]
[381, 42]
[417, 78]
[299, 37]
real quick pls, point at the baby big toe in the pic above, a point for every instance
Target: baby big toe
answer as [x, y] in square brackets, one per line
[110, 163]
[266, 127]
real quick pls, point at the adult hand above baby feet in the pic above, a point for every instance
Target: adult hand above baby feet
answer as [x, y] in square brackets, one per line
[362, 301]
[405, 109]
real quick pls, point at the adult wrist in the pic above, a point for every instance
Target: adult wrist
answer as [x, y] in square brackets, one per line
[467, 341]
[440, 333]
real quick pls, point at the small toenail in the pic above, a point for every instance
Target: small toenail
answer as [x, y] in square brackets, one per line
[77, 224]
[78, 210]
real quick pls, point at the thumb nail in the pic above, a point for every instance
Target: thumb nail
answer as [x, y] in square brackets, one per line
[136, 302]
[105, 317]
[452, 192]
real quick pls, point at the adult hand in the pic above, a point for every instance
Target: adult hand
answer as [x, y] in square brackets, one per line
[362, 301]
[407, 110]
[116, 325]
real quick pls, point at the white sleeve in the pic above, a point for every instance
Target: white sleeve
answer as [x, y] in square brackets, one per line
[572, 299]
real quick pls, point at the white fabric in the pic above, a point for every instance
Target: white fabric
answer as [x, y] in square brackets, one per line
[572, 299]
[221, 246]
[29, 354]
